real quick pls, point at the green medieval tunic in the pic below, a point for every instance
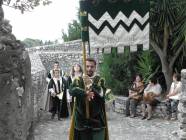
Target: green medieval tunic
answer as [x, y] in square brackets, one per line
[94, 128]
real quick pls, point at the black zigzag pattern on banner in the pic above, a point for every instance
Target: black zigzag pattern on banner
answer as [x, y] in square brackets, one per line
[113, 30]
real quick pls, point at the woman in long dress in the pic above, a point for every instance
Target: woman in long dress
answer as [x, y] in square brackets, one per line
[76, 71]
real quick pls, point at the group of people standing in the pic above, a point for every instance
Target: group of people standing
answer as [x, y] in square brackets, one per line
[70, 94]
[150, 95]
[59, 101]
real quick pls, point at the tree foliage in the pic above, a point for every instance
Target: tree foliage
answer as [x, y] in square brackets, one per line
[74, 31]
[118, 71]
[167, 36]
[25, 5]
[29, 42]
[146, 65]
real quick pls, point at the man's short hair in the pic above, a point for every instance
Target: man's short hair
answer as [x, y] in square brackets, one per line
[56, 62]
[177, 76]
[91, 60]
[153, 80]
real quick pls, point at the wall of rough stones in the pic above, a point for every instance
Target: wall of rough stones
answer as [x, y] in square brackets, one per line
[39, 85]
[65, 47]
[66, 60]
[67, 54]
[16, 108]
[182, 107]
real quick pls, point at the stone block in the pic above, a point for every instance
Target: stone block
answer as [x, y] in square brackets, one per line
[182, 115]
[183, 73]
[120, 107]
[183, 97]
[182, 107]
[181, 119]
[182, 135]
[183, 82]
[182, 126]
[39, 84]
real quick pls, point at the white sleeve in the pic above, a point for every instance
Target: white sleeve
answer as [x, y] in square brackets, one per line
[69, 98]
[48, 79]
[147, 88]
[158, 89]
[101, 93]
[178, 88]
[171, 88]
[51, 90]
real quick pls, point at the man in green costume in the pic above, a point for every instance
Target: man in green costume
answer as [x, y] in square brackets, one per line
[95, 126]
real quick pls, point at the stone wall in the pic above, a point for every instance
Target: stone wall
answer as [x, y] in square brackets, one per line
[182, 107]
[39, 85]
[67, 54]
[16, 106]
[66, 60]
[65, 47]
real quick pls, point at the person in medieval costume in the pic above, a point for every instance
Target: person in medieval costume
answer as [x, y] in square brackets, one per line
[58, 99]
[76, 71]
[46, 97]
[50, 73]
[89, 88]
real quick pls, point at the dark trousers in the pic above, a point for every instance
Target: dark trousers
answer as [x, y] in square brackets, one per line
[55, 106]
[131, 105]
[172, 106]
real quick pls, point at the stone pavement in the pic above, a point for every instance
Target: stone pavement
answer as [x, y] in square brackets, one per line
[120, 128]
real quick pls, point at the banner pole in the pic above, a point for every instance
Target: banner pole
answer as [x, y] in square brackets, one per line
[85, 72]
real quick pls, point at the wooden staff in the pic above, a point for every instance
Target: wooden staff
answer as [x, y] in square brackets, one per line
[72, 124]
[85, 73]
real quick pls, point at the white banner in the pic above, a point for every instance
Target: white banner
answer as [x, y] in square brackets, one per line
[121, 37]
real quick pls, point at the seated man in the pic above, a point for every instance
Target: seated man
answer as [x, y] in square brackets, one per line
[173, 97]
[151, 97]
[135, 96]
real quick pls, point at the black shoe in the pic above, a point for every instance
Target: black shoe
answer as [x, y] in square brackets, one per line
[127, 115]
[143, 118]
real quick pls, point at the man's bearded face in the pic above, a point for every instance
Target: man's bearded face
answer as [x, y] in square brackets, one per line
[91, 68]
